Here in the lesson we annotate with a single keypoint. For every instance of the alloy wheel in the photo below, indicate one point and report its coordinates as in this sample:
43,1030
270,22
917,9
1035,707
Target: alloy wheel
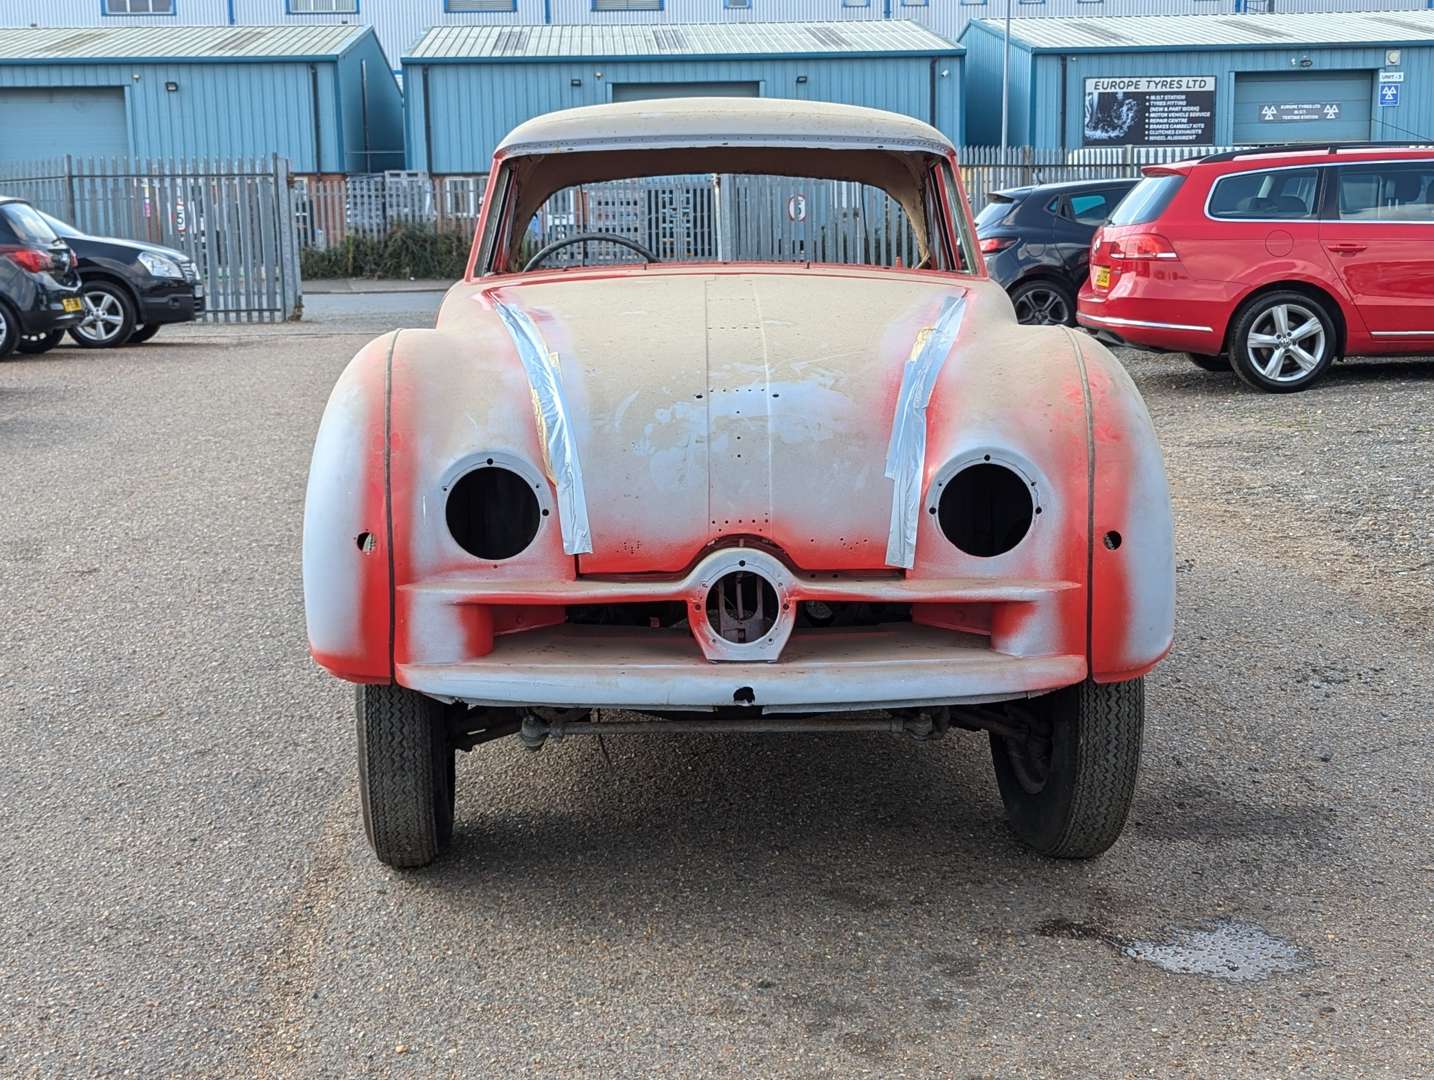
1286,343
1042,306
103,318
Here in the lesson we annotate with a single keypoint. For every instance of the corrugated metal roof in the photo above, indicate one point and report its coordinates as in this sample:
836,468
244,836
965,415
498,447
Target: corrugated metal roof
1124,32
71,44
610,42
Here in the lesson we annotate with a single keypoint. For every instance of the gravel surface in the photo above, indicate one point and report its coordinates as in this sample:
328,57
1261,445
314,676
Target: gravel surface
185,887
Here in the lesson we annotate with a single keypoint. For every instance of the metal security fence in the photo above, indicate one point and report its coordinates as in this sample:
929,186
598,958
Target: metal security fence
717,217
234,218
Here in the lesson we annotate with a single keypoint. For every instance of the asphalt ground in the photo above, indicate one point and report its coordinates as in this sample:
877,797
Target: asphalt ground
185,888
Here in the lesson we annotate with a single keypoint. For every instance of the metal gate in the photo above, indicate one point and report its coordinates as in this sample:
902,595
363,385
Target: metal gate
235,219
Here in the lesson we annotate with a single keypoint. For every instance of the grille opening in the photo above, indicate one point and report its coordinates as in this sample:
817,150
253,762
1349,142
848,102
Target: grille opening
986,509
742,607
823,614
659,615
493,513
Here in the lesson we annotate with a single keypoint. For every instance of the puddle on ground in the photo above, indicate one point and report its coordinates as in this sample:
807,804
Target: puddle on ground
1226,949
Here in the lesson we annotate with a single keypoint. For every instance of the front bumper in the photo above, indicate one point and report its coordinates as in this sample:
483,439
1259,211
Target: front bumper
171,302
885,667
485,641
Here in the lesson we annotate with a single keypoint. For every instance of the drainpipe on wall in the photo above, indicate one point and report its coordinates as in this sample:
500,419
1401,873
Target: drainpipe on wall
427,126
1064,99
231,12
1006,82
547,12
931,117
318,133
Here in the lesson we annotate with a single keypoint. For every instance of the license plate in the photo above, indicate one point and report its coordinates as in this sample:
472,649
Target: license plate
1101,277
72,303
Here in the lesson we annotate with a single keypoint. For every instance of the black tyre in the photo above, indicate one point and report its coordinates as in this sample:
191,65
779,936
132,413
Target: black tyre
1068,787
9,331
143,333
1043,303
406,774
1209,363
1283,342
109,316
40,343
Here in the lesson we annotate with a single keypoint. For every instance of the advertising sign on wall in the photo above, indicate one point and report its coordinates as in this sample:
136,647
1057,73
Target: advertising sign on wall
1165,110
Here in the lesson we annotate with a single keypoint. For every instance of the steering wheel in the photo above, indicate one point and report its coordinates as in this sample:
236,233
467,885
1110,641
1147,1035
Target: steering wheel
583,238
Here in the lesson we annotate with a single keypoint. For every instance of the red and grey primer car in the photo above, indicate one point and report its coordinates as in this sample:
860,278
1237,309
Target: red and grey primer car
702,496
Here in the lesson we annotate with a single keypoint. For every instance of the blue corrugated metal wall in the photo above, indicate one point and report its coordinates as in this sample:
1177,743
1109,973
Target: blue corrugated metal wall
1036,85
240,109
469,107
400,23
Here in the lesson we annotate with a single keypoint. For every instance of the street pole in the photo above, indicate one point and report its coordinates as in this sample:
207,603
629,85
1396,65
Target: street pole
1006,84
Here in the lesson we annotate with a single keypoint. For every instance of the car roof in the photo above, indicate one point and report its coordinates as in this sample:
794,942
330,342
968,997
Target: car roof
1066,185
1255,157
717,121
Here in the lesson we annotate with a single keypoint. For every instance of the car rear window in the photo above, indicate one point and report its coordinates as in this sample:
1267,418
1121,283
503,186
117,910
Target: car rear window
1147,200
995,211
1275,193
25,224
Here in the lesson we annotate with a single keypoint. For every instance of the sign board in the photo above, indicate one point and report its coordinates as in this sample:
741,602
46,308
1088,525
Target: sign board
797,208
1391,76
1299,112
1150,111
1388,94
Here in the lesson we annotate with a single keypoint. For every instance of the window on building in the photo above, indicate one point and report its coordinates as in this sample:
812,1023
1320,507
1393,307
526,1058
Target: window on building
138,7
744,4
973,3
1280,193
481,6
1387,192
627,5
323,7
915,3
856,3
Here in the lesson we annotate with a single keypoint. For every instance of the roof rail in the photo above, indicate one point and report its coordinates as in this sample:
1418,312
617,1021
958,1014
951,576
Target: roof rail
1306,148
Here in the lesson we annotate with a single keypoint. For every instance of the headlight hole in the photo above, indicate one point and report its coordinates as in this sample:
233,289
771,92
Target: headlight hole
493,513
986,509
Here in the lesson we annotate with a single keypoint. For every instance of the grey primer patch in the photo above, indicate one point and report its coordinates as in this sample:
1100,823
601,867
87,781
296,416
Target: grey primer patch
1227,949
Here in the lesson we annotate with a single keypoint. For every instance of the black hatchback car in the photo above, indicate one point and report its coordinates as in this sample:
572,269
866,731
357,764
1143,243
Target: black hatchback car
1037,243
131,288
39,283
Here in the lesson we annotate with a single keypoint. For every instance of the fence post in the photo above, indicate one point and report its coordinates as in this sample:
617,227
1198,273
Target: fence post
286,229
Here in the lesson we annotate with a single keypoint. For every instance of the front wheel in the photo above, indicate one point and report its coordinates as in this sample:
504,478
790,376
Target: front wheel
109,316
1043,303
143,333
1067,769
1282,342
406,774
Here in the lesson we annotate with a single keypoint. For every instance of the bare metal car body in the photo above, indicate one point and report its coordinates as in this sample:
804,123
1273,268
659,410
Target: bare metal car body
733,447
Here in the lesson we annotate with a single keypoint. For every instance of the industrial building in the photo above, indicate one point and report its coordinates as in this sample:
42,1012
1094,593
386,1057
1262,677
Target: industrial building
400,23
1203,80
321,96
466,87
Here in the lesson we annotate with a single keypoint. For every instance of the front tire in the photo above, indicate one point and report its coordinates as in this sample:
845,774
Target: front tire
143,333
1283,342
1068,786
1043,303
406,774
1209,363
109,316
34,344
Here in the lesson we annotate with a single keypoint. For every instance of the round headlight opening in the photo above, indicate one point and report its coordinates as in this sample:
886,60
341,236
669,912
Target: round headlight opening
493,513
986,509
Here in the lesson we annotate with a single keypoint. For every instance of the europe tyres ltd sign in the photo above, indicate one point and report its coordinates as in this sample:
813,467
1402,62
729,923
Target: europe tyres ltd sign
1144,110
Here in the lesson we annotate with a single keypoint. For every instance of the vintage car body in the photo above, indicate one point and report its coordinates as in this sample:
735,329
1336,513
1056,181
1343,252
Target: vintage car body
735,449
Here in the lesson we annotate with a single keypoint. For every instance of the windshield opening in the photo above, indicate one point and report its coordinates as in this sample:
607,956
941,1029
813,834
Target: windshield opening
858,208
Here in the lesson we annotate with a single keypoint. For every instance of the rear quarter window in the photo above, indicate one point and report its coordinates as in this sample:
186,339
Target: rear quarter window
1147,200
1274,193
994,212
24,225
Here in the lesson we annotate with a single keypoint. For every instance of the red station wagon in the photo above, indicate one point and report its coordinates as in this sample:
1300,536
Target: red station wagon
1273,262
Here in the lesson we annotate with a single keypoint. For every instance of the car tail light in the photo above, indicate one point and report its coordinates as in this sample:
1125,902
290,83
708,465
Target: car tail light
992,244
35,260
1141,246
